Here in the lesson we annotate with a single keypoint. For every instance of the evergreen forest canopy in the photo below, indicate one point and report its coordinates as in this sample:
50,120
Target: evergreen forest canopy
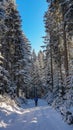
48,74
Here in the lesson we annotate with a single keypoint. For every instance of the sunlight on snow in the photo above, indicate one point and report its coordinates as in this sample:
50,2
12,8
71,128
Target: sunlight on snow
9,109
3,124
34,120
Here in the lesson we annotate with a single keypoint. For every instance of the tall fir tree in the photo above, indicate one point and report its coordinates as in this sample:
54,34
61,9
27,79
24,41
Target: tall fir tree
12,52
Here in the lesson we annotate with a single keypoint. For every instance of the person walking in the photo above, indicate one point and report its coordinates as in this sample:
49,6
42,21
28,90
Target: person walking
36,101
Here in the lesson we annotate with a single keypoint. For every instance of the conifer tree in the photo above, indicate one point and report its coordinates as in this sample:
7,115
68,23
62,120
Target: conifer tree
12,55
4,74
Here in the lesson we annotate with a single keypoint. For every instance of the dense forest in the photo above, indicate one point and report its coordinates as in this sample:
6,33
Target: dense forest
49,74
59,50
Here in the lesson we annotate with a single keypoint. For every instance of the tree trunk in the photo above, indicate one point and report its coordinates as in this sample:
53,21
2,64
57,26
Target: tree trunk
17,90
65,44
65,52
51,61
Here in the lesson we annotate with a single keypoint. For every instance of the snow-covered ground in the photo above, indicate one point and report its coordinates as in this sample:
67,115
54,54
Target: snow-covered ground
30,117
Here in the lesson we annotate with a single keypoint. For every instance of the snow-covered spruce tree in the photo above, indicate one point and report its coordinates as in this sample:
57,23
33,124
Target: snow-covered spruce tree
41,70
27,66
4,74
19,50
12,53
38,74
40,58
12,39
33,90
23,70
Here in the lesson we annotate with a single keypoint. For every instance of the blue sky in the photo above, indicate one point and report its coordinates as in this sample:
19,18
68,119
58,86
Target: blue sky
32,12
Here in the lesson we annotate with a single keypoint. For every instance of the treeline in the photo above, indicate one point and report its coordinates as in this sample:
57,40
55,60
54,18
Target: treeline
58,44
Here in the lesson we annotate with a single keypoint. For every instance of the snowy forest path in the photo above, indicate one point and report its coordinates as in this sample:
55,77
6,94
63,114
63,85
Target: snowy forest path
42,117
